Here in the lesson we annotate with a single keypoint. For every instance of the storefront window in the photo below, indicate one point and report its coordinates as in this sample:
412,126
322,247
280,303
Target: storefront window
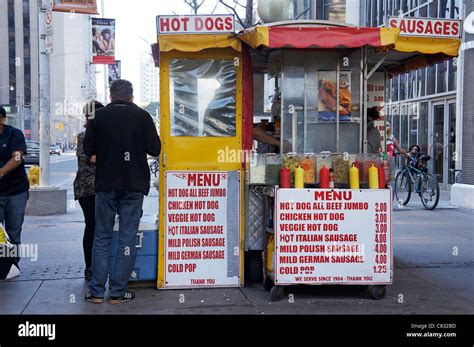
413,134
433,9
442,74
453,70
421,77
202,98
431,80
423,127
403,87
404,128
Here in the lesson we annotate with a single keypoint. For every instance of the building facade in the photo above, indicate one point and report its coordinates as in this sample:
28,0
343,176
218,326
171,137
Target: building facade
149,80
19,58
73,77
421,105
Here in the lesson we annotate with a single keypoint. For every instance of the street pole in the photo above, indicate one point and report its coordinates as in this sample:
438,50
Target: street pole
105,66
44,91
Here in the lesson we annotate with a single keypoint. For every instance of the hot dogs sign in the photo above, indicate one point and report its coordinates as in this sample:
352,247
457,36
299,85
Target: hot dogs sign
195,24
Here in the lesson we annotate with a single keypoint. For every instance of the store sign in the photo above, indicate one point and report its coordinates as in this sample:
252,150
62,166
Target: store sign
202,229
195,24
76,6
333,237
426,27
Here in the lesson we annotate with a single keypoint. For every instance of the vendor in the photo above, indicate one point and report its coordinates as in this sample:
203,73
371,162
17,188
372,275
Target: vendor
374,144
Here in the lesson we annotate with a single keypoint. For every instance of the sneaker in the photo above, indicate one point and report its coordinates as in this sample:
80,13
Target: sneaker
128,296
94,299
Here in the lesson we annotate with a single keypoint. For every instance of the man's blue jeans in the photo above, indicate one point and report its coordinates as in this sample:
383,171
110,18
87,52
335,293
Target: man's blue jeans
12,214
128,205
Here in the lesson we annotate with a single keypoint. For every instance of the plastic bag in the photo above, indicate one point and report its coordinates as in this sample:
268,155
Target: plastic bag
4,238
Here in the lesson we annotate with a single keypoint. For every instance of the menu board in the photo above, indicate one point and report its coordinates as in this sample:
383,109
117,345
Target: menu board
202,229
376,97
333,236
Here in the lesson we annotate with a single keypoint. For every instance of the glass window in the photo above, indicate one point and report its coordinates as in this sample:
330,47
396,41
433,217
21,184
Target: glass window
404,128
381,12
404,6
423,127
202,98
433,9
412,138
431,80
423,11
421,90
442,74
453,70
403,86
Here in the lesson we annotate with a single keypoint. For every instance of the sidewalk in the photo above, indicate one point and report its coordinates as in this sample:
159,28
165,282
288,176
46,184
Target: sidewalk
54,284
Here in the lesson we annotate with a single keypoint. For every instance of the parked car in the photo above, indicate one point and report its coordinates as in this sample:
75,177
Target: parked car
33,153
54,149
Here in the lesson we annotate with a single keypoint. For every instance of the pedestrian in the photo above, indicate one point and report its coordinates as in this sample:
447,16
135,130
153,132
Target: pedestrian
84,190
120,136
374,144
393,146
14,185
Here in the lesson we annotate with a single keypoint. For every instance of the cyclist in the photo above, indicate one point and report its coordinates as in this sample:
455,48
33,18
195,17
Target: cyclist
414,154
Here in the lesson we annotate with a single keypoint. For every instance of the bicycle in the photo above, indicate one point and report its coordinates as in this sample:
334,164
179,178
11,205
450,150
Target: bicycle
416,179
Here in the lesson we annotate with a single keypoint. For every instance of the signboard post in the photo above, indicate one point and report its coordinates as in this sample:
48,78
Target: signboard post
333,237
201,241
48,17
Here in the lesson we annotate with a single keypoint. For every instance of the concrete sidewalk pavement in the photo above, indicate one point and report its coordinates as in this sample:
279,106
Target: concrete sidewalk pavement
427,278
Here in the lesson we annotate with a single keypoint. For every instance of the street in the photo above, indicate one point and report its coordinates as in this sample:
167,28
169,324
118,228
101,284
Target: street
433,273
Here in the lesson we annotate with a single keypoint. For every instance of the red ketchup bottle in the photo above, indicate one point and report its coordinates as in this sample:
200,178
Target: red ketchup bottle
324,177
285,178
381,177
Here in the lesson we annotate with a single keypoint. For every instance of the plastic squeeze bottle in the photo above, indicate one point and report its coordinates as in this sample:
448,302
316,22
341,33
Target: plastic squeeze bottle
285,179
354,177
324,178
373,177
299,178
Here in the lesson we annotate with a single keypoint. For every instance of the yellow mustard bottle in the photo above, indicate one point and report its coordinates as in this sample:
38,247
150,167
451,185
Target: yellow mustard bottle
299,178
373,177
354,177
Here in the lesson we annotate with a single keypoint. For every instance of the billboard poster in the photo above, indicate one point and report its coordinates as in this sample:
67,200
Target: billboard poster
75,6
103,41
327,96
115,71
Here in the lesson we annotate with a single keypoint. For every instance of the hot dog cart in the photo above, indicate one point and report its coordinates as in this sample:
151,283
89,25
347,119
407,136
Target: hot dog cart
221,200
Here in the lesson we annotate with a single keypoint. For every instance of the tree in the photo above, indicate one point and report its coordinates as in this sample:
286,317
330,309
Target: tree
194,4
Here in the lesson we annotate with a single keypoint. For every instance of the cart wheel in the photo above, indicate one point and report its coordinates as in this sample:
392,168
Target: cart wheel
277,293
268,283
377,292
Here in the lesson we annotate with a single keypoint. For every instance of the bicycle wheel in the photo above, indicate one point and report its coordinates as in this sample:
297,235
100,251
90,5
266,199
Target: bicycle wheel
403,188
429,192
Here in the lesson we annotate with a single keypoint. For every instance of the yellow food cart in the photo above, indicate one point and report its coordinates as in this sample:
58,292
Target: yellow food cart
221,206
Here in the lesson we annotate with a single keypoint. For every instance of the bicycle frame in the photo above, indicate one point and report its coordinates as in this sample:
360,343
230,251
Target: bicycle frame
410,169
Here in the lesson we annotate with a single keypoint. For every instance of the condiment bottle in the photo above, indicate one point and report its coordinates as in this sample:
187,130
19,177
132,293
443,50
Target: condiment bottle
331,180
381,178
386,168
285,179
354,178
373,177
324,178
299,178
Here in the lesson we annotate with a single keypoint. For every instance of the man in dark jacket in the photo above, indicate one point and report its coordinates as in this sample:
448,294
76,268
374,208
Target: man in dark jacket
120,136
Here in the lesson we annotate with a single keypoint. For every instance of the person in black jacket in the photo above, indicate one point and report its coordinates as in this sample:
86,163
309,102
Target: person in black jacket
120,136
